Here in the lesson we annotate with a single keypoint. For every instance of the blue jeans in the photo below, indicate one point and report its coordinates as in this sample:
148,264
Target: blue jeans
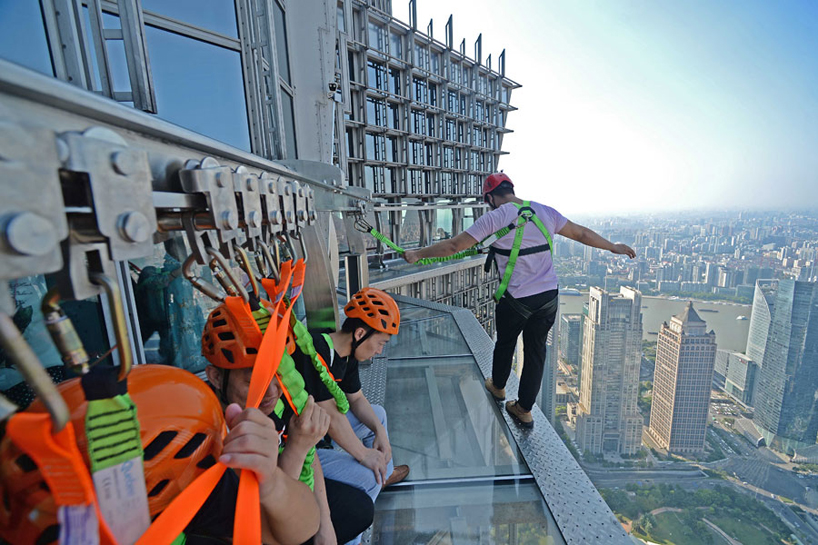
339,465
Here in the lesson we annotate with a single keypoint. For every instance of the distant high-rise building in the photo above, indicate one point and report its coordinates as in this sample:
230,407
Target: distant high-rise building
685,356
785,401
608,419
735,373
760,318
546,398
570,325
712,274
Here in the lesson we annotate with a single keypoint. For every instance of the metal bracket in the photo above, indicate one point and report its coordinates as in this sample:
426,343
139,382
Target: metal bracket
286,190
300,198
215,182
246,186
32,213
121,194
271,206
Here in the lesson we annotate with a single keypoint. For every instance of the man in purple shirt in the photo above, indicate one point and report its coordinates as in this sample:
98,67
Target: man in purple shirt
528,294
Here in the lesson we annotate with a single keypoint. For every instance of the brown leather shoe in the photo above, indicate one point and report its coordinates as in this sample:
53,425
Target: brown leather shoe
498,393
399,474
522,417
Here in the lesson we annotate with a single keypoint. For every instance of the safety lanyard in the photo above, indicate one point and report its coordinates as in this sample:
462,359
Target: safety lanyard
524,215
60,462
115,453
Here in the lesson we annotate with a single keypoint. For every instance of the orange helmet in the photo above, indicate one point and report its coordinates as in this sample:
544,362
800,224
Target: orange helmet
231,336
376,309
180,439
493,181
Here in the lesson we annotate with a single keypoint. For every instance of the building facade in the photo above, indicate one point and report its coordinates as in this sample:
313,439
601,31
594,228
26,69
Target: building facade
786,407
570,335
760,318
685,357
608,419
735,373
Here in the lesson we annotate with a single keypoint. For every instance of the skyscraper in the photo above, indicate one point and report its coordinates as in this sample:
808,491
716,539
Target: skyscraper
760,318
786,406
609,420
570,349
685,355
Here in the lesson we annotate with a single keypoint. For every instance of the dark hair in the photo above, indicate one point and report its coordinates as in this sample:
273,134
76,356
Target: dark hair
502,190
351,324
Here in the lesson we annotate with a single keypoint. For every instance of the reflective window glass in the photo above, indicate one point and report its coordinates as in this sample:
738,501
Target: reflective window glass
87,317
341,21
289,125
199,86
282,51
22,23
216,15
395,45
171,311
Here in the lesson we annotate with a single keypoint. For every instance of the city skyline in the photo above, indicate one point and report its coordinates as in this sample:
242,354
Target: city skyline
619,99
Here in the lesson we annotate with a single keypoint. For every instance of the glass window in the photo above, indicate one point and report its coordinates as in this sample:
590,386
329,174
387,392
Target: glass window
171,311
394,117
27,294
216,15
414,184
390,181
395,45
395,85
289,125
377,36
282,51
376,112
432,123
392,150
435,62
184,71
443,224
341,21
377,75
22,23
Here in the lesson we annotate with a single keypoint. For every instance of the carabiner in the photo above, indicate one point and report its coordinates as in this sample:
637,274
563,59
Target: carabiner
222,263
272,269
244,263
361,224
26,361
285,238
123,342
63,333
303,245
198,282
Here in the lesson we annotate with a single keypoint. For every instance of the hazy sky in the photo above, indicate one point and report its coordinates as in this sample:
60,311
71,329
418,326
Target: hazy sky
645,105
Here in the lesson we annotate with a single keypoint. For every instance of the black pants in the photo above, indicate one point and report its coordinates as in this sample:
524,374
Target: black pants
510,323
351,510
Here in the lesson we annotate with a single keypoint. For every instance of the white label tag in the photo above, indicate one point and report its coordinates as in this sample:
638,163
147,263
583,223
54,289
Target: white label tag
123,500
78,524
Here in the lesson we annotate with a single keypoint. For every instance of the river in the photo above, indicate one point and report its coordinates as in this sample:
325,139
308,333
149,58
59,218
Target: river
731,334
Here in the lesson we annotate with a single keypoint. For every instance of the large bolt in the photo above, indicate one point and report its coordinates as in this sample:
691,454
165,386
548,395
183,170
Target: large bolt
275,217
302,215
228,220
29,234
250,185
271,188
134,227
219,179
124,163
288,190
300,191
253,218
289,216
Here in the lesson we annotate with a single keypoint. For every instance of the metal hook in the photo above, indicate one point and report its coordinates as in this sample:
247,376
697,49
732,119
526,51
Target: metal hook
361,224
222,262
198,282
272,263
288,243
123,342
244,262
35,375
303,245
221,277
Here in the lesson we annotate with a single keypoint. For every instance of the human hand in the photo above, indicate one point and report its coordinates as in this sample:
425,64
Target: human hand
381,443
373,459
251,444
307,428
623,249
411,256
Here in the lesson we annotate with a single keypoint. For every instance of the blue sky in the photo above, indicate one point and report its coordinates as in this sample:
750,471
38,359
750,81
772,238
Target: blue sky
633,106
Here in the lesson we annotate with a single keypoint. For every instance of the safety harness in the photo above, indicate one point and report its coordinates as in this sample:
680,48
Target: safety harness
525,214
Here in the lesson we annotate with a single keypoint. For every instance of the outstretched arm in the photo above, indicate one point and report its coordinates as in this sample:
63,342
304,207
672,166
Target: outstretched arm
591,238
444,248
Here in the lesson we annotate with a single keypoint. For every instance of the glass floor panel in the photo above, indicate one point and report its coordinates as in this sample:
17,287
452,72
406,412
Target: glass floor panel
427,332
443,423
464,513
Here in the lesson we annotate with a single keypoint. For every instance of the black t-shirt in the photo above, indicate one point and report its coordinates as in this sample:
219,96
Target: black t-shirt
213,523
344,370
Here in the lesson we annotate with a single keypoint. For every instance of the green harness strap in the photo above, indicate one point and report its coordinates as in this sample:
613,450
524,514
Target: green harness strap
524,215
